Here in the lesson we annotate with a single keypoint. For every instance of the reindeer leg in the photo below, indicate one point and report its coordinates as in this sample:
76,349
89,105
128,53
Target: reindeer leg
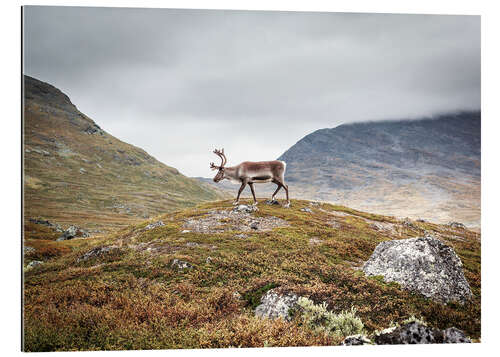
243,184
281,183
253,193
287,199
275,192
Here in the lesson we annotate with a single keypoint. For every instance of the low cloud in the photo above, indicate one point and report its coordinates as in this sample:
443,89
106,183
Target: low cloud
180,82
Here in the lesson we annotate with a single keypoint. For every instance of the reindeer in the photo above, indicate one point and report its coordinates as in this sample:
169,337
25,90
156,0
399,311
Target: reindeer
249,172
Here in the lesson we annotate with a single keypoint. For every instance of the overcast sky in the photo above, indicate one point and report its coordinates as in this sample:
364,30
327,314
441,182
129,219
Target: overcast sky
179,83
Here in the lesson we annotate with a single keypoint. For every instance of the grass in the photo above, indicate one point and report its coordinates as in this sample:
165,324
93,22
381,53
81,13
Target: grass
135,299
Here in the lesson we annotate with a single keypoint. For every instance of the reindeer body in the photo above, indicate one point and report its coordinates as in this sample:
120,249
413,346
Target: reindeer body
256,172
250,172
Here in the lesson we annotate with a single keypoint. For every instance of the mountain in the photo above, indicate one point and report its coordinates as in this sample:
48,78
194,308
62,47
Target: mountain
77,173
193,278
428,168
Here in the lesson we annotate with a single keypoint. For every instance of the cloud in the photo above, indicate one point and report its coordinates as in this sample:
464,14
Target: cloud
180,82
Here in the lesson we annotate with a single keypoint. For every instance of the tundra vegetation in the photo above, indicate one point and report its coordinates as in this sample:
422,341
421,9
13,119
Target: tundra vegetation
138,293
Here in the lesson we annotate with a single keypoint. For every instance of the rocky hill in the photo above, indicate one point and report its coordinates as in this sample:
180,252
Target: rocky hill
77,173
428,168
221,276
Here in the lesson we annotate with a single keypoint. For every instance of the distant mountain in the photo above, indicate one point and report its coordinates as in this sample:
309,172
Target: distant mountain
75,172
428,168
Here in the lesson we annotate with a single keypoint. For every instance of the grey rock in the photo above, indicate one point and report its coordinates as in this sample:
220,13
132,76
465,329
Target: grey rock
82,170
456,225
356,340
241,236
245,208
272,202
56,227
72,232
94,129
35,263
454,335
209,260
274,305
306,209
27,249
180,264
254,225
192,244
97,253
416,333
424,265
154,225
40,151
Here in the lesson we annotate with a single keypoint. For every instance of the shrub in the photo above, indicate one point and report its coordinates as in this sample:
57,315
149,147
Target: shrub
413,318
318,318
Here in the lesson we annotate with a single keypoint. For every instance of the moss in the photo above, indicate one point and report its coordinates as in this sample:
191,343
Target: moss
253,297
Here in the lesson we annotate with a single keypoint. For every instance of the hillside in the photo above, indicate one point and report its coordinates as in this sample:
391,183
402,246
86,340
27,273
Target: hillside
428,168
192,279
77,173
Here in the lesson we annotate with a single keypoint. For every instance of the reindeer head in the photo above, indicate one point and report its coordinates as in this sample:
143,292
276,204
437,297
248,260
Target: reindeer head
220,173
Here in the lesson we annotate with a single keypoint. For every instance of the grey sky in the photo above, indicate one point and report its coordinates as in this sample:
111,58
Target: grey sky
179,83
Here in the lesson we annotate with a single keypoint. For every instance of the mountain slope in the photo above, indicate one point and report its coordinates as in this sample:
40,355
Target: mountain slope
429,168
131,290
75,172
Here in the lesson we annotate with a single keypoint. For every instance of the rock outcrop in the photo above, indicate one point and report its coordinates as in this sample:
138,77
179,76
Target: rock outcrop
56,227
456,225
97,253
34,263
274,305
424,265
245,208
180,264
356,340
154,225
417,333
72,232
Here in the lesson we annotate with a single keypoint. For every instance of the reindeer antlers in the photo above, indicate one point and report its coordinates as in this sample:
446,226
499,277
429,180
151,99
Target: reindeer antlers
219,153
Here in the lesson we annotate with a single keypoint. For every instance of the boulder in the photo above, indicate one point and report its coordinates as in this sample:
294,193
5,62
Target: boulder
272,202
274,305
97,253
94,129
27,249
417,333
454,335
456,225
306,209
56,227
72,232
180,264
35,263
245,208
424,265
356,340
154,225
